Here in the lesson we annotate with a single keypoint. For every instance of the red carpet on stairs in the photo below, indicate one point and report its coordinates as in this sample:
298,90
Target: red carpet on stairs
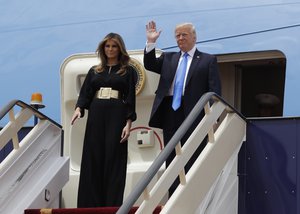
100,210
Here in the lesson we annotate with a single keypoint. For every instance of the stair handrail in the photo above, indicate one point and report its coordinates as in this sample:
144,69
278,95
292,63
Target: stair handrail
22,104
11,129
161,158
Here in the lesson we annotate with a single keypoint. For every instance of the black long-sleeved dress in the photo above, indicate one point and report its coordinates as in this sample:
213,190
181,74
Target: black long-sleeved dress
104,158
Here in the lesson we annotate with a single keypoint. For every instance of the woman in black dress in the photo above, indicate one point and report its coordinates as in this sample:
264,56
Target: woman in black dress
108,93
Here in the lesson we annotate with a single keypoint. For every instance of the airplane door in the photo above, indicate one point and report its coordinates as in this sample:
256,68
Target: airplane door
253,82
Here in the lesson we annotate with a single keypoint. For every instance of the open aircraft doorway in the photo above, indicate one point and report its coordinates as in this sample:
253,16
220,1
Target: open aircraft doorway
254,82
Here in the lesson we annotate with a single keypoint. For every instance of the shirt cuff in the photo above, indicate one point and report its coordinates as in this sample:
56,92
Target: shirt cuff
149,47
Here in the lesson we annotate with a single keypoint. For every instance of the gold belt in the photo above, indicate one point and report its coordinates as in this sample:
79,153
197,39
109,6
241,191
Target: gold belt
107,93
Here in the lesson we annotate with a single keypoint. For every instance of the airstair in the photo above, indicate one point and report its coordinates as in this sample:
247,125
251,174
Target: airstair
249,165
34,172
211,185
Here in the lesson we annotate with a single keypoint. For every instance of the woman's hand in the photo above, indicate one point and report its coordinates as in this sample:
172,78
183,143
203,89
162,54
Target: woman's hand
126,131
151,32
76,115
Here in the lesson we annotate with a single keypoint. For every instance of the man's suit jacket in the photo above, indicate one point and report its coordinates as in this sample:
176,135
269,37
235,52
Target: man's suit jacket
203,76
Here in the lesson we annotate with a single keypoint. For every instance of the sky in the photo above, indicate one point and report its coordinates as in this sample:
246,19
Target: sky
36,36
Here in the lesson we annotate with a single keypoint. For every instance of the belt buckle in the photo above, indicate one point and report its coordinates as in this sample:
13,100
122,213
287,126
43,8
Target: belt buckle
105,93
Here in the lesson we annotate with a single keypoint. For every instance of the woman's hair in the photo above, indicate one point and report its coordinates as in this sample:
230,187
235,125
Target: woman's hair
123,56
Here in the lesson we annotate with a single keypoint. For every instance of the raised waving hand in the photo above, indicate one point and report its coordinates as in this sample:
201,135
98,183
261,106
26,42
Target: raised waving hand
151,32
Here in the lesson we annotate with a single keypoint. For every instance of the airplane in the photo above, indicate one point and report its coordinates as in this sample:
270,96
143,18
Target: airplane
257,47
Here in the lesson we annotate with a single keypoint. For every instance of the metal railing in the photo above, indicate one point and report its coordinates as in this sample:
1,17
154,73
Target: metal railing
17,120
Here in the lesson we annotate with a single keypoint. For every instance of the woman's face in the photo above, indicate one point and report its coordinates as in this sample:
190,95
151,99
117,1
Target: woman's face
111,50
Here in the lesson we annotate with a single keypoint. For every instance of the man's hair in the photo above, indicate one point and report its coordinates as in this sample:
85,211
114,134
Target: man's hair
189,25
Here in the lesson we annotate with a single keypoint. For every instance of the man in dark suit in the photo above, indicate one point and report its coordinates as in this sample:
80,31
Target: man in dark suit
201,76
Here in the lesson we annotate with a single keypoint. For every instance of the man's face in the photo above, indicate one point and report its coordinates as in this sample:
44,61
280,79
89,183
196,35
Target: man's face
185,38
